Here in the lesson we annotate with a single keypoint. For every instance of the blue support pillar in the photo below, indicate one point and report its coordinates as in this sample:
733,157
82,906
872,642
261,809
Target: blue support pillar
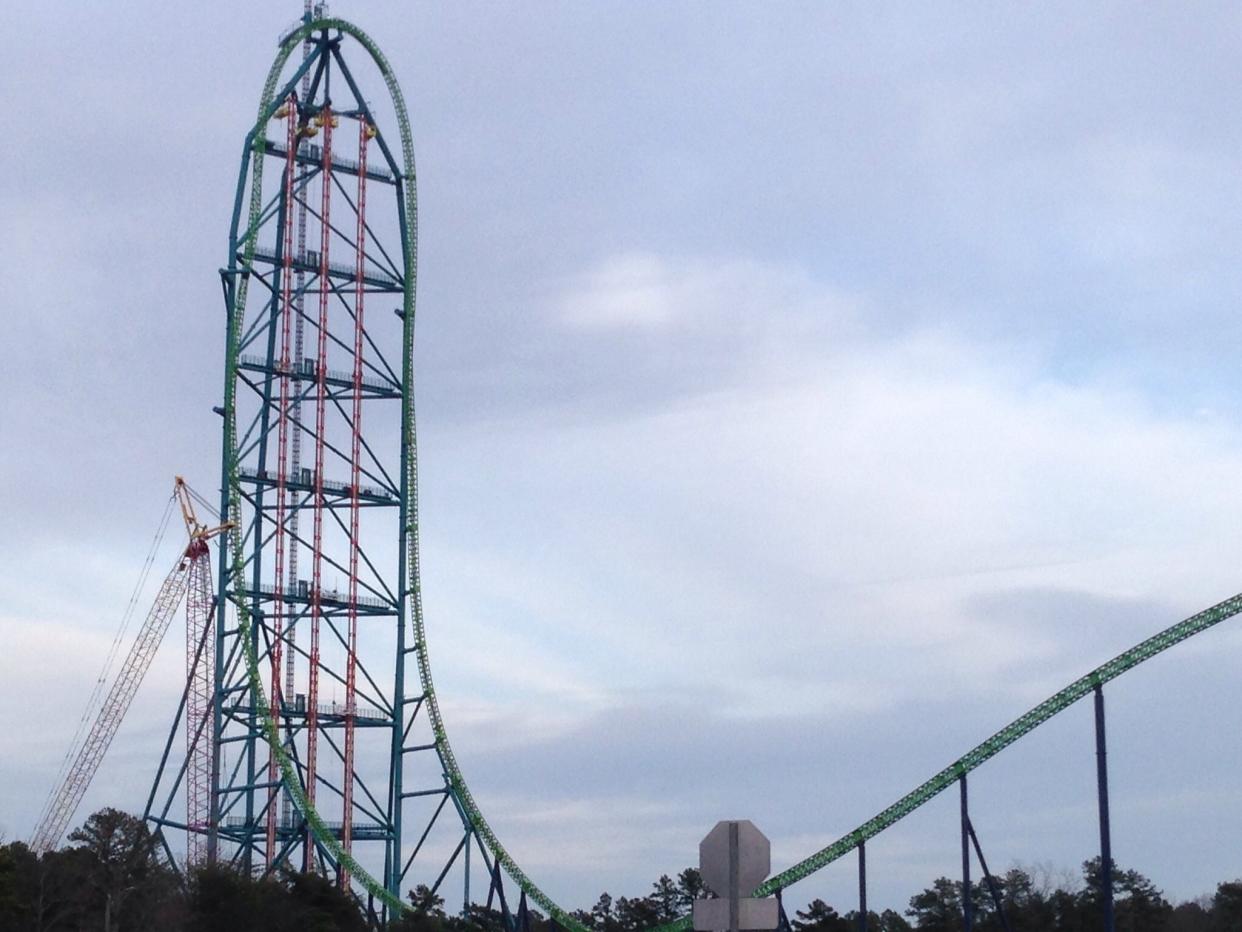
782,920
1106,843
987,876
862,886
522,920
967,910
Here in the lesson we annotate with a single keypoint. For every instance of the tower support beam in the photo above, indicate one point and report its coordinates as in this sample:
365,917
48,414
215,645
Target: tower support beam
1106,840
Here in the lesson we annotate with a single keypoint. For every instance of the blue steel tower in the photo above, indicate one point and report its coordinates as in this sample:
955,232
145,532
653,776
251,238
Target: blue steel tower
309,734
316,743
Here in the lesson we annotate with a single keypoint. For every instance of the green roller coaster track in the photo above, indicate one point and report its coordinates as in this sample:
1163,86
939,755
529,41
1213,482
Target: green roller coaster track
1021,726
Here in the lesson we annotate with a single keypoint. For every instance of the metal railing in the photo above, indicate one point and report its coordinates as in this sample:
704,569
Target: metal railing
302,593
307,370
305,479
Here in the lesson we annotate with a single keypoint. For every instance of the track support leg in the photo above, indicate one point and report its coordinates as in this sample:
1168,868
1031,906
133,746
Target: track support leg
782,920
967,906
465,896
522,921
987,877
862,886
1106,843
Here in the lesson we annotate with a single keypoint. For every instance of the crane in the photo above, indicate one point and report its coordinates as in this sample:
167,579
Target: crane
191,573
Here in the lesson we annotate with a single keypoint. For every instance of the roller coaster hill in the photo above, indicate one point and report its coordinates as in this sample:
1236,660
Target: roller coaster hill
319,480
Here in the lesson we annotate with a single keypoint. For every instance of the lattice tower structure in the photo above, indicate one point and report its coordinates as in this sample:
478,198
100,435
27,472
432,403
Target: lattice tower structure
337,762
200,686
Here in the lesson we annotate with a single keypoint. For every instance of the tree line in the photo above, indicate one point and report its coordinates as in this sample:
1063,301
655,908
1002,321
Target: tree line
110,878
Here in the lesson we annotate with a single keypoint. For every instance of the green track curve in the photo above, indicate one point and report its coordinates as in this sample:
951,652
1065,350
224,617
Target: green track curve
1021,726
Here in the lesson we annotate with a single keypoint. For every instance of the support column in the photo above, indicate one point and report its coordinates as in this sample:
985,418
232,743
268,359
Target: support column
862,886
1106,843
987,876
967,910
465,896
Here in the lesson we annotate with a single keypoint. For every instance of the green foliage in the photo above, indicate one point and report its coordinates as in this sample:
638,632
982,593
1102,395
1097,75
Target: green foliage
820,917
1226,911
889,921
690,887
124,885
1138,905
426,914
939,907
221,899
668,899
1190,917
108,879
48,893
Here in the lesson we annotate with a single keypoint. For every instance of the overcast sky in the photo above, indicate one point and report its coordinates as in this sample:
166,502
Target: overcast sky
804,392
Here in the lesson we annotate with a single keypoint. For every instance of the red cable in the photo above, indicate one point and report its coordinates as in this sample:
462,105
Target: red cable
321,370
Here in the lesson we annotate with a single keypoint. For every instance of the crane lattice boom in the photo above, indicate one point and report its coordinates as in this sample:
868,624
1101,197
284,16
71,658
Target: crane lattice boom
113,710
192,571
200,659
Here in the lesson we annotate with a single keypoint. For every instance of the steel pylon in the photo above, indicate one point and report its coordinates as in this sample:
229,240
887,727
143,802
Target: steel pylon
329,751
320,758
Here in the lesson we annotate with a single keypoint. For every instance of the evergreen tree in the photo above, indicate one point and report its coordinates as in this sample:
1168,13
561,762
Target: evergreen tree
690,887
477,919
322,906
1191,917
1227,907
938,908
637,913
891,921
1027,908
820,917
666,897
44,893
124,879
1138,905
425,915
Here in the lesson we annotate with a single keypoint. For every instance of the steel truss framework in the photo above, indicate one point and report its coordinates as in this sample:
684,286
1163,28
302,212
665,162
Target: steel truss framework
367,788
294,780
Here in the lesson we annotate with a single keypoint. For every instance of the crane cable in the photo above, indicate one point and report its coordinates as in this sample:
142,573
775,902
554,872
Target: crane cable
202,502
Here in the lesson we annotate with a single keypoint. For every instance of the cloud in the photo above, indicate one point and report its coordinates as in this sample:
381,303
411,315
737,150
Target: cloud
867,558
826,395
879,496
736,300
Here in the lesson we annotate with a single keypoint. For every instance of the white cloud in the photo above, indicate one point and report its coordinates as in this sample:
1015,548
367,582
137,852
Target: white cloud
858,536
844,500
738,300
